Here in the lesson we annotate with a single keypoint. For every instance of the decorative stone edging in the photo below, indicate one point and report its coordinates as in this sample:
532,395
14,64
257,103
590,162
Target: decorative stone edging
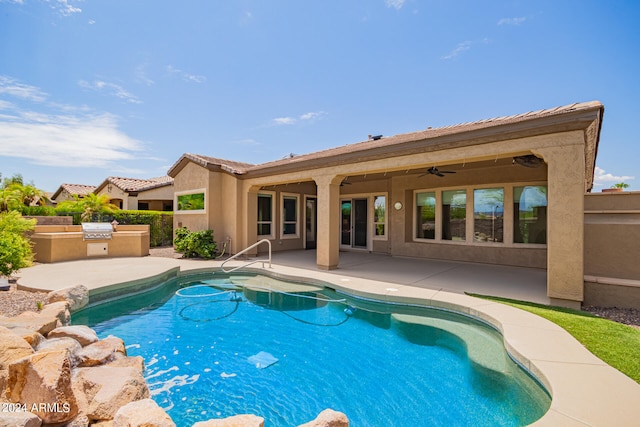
54,373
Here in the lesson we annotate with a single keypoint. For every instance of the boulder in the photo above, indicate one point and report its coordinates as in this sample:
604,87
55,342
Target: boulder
142,413
101,352
12,348
81,333
328,418
136,362
71,346
32,337
245,420
46,320
19,419
76,296
42,382
102,390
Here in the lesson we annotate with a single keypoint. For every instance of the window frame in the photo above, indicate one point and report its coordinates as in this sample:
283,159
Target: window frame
272,196
177,194
375,223
284,222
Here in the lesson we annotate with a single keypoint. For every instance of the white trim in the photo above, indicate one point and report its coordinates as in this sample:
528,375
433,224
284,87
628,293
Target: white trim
297,234
273,215
304,218
190,212
385,236
508,215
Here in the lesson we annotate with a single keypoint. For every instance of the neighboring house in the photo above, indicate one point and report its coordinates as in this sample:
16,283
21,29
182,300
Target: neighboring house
139,194
67,191
508,190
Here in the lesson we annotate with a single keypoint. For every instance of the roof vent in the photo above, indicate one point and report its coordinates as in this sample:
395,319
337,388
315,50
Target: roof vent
375,137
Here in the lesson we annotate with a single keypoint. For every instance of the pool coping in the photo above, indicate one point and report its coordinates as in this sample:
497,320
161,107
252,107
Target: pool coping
585,390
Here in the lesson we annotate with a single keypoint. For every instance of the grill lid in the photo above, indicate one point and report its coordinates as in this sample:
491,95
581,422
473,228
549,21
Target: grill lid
96,230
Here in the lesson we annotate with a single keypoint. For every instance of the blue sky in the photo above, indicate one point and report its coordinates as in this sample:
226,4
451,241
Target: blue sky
90,89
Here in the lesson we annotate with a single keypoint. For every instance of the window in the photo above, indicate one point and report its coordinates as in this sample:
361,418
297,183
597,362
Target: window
426,215
488,213
265,215
289,216
143,206
530,214
380,215
190,201
454,215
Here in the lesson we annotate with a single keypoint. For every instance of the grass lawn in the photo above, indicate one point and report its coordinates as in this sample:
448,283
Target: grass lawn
615,343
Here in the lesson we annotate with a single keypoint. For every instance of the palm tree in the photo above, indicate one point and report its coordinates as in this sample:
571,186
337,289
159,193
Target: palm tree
88,205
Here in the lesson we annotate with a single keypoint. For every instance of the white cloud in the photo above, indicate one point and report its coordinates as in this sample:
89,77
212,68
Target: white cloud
512,21
112,89
10,86
463,47
603,179
187,77
396,4
284,121
312,115
52,134
64,7
67,141
248,142
142,76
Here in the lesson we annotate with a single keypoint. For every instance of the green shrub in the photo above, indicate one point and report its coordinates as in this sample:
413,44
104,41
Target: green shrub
195,244
15,248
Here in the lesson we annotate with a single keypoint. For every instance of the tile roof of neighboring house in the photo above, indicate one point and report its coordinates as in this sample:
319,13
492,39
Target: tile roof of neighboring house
136,184
357,151
77,189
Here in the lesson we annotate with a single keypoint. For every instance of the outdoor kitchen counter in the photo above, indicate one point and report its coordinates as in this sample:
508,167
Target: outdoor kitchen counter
55,243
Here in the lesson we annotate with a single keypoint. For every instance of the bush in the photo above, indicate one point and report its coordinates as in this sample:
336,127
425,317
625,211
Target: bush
195,244
15,248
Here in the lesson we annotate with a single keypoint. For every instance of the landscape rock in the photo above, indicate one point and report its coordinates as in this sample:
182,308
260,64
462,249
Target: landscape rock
42,382
19,419
102,390
142,413
245,420
50,317
76,296
101,352
136,362
12,347
328,418
81,333
34,338
71,346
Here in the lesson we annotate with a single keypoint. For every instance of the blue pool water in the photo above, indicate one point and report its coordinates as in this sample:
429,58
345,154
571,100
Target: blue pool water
225,346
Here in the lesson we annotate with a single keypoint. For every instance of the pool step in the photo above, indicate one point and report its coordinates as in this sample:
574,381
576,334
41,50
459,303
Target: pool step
483,348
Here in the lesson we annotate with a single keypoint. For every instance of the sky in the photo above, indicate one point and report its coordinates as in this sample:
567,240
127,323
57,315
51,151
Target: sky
91,89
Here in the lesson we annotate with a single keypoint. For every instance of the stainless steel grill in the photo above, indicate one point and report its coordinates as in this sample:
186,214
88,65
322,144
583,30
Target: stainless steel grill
96,230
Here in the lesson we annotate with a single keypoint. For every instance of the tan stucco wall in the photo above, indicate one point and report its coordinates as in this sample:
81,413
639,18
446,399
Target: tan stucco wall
192,177
612,249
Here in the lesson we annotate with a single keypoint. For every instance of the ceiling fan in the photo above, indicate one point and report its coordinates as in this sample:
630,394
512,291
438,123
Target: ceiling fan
435,171
529,161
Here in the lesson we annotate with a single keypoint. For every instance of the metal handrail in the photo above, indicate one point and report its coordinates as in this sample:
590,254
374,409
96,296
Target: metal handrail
250,262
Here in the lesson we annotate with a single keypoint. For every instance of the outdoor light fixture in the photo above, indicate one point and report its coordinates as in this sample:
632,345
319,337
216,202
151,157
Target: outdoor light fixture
397,205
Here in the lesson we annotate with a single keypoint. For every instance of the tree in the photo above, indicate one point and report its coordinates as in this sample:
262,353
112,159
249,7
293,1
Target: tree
15,248
88,205
620,185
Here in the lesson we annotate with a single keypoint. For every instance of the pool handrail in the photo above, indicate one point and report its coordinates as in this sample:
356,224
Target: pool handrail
250,262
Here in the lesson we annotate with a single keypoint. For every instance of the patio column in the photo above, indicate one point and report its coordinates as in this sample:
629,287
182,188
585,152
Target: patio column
565,223
328,245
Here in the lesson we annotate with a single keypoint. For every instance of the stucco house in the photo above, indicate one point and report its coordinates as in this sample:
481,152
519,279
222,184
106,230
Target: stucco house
139,194
508,190
67,191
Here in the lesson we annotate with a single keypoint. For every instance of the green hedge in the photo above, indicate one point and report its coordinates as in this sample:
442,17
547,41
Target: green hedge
160,223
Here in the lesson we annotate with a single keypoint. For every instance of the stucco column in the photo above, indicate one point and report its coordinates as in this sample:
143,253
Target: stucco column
565,223
251,215
328,245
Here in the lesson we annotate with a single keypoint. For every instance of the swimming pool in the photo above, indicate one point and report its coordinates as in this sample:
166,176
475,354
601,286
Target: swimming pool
217,346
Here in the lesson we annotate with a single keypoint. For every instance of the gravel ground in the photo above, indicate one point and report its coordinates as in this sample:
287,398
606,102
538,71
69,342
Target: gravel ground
14,302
